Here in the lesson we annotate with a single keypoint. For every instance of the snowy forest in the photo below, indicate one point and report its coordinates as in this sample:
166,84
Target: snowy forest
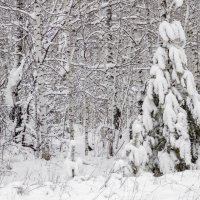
99,100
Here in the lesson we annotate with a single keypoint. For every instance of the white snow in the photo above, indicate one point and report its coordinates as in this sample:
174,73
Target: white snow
161,87
196,108
148,108
13,79
172,31
175,76
188,82
166,31
154,69
138,128
137,155
183,142
98,178
178,58
166,162
178,30
115,186
178,3
122,166
70,165
169,117
160,57
150,89
171,110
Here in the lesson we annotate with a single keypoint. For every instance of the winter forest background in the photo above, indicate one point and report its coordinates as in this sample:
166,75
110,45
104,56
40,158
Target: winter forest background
96,92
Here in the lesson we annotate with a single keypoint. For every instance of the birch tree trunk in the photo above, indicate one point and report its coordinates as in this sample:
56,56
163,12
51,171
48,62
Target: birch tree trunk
110,78
86,124
40,105
70,55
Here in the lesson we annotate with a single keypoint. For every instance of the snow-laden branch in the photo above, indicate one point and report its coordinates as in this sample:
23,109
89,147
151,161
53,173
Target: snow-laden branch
13,80
32,16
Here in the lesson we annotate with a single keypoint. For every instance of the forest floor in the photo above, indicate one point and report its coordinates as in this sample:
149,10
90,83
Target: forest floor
42,180
25,178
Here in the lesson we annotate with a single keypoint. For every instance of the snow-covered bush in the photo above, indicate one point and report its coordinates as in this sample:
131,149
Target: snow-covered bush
137,157
134,152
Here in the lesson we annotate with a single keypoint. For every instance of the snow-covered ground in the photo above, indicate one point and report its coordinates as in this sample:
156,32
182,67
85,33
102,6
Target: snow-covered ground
42,180
22,177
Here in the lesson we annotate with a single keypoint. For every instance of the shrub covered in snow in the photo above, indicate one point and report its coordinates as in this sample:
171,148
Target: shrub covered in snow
134,152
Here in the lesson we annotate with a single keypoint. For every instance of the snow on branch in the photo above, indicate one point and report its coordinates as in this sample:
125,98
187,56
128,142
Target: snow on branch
32,16
14,78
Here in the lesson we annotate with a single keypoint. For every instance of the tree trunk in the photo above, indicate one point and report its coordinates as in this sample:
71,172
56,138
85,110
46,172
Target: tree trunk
16,110
86,125
41,126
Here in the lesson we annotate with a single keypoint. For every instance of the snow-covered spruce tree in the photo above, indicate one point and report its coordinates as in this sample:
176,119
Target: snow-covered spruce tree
171,108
